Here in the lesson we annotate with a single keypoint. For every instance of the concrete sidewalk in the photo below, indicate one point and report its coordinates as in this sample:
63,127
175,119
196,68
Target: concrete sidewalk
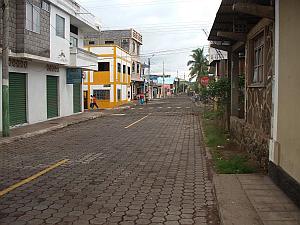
253,199
31,130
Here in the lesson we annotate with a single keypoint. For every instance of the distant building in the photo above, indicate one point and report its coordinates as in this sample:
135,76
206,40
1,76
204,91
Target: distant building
111,82
158,83
218,62
129,40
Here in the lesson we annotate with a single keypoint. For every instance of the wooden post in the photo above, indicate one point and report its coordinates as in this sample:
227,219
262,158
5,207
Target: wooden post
228,105
234,84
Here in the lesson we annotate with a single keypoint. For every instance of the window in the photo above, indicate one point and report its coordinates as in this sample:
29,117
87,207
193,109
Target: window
91,42
46,6
103,66
138,68
102,94
258,60
119,67
128,70
124,69
73,42
133,67
119,94
109,42
33,17
73,29
60,26
133,47
125,44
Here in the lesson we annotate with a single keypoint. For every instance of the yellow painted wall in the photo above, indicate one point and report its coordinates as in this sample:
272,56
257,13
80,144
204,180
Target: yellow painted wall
289,88
102,78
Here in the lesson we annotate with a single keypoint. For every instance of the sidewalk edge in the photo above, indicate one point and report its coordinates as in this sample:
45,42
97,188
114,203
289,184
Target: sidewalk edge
46,130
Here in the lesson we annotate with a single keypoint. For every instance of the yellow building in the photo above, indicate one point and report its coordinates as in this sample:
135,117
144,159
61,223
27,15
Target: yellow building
111,83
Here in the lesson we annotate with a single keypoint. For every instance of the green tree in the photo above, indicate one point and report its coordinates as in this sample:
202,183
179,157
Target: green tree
199,64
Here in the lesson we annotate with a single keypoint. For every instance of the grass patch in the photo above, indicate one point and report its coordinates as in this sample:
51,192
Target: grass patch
214,135
233,165
227,159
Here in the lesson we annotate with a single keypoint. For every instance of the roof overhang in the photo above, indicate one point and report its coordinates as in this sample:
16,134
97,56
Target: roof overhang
235,18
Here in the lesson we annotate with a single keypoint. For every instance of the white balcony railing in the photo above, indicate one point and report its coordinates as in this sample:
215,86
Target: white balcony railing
80,58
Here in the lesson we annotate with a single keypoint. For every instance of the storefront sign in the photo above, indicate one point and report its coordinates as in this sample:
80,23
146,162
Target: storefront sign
53,68
74,76
17,63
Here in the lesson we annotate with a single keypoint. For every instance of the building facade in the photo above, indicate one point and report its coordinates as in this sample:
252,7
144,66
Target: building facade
218,62
129,40
111,82
46,59
264,33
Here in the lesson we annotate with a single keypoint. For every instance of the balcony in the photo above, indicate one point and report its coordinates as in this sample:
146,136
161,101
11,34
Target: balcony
137,36
80,58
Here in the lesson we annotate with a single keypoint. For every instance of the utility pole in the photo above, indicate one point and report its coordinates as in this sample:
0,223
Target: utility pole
184,83
149,84
5,74
176,86
164,79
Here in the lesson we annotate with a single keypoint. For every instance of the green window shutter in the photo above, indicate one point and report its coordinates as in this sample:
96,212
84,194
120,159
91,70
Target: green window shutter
76,98
17,98
52,96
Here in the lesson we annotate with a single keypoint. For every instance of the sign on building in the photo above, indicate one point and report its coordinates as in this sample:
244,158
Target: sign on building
74,76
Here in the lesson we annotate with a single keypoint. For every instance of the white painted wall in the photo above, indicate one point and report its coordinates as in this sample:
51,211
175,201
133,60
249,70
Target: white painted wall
58,45
37,92
102,50
124,92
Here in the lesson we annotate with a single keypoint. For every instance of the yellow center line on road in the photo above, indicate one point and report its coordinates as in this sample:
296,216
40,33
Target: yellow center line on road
137,121
33,177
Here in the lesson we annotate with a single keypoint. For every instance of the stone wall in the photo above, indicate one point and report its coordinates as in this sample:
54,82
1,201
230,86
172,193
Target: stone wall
12,25
251,140
25,41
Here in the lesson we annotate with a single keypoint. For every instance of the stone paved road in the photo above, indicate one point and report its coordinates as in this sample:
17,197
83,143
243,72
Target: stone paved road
154,172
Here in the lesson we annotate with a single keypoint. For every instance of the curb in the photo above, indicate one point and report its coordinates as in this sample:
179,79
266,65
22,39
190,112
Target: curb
46,130
210,158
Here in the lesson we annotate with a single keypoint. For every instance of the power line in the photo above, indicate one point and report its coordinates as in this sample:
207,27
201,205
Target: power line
149,3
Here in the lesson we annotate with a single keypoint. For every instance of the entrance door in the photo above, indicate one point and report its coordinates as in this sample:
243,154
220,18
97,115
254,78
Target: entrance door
85,99
17,98
76,98
52,96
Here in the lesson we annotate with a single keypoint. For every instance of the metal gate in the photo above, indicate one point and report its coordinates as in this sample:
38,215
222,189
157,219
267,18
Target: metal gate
17,98
76,98
52,96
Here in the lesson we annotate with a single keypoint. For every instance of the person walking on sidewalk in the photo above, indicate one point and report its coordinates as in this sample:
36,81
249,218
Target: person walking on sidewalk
95,102
91,102
142,98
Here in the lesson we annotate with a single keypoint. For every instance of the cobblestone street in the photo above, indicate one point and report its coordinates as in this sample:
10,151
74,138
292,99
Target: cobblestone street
144,165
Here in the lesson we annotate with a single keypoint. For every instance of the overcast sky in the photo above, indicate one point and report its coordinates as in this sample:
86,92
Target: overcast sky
170,28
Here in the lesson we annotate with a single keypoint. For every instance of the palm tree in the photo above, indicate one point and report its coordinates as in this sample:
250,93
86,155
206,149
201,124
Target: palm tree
198,65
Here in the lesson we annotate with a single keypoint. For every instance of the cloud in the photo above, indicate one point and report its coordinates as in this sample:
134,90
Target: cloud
164,24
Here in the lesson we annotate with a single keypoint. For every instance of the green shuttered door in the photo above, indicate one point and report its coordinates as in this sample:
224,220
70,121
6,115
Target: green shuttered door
17,98
77,98
52,96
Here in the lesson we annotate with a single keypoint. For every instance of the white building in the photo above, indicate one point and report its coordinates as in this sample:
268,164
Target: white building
47,59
